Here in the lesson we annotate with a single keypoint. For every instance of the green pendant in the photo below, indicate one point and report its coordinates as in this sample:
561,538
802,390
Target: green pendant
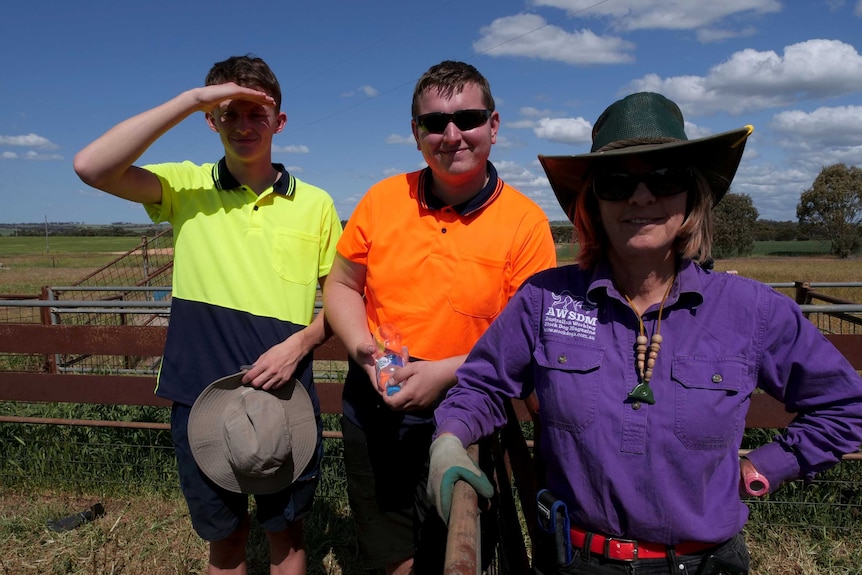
642,392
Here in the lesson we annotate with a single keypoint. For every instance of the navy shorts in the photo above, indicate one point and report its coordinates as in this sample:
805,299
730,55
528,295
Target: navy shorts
215,512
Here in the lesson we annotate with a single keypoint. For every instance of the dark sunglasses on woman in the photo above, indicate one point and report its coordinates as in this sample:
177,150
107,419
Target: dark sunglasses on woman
617,187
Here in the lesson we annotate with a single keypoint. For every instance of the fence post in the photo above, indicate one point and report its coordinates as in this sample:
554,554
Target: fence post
802,290
50,363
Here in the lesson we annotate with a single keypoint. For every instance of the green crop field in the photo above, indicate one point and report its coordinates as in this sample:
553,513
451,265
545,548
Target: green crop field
40,246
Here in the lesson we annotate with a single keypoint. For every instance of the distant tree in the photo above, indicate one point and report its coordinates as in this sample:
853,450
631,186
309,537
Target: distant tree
832,208
733,226
563,233
773,231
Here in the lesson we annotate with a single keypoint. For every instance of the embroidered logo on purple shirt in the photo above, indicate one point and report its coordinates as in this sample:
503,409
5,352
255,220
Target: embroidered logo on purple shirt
568,316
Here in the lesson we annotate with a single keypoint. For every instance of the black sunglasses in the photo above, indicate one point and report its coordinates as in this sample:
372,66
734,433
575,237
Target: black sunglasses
464,120
616,187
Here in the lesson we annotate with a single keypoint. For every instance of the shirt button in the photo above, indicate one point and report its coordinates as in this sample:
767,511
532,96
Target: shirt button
443,230
716,378
562,359
636,405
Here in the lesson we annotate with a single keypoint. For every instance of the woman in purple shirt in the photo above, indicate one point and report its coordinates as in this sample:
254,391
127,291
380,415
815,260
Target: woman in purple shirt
644,364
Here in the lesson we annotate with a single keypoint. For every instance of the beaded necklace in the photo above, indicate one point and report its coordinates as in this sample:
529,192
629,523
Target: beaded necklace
646,356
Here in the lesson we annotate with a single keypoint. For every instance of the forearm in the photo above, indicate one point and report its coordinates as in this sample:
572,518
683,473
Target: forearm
105,163
345,311
313,335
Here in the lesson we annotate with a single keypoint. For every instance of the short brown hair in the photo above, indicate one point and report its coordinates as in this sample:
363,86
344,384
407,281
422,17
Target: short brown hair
694,240
449,77
249,72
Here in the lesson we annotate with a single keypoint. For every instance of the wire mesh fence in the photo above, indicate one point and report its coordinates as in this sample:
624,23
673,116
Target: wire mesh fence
130,291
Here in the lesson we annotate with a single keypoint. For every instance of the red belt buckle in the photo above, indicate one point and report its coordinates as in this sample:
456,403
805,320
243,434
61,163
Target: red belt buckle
621,549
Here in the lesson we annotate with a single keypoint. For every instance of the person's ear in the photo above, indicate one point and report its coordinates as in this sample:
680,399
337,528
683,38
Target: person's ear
211,122
495,125
280,122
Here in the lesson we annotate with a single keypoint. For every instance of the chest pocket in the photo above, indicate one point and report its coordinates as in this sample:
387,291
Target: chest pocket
479,287
295,256
709,400
567,384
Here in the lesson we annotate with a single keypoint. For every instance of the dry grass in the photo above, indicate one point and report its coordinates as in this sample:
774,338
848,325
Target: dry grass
26,274
152,535
792,552
802,268
142,535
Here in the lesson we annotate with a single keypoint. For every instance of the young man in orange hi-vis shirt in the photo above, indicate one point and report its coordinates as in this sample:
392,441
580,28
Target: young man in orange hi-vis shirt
437,254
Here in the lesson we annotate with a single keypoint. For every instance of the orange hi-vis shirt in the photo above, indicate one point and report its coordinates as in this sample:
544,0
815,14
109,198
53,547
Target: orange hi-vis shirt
442,276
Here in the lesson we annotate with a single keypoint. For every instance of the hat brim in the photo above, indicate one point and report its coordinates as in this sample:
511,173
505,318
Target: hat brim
209,447
716,157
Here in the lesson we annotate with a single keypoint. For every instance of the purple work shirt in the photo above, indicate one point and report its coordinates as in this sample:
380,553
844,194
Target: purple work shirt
667,472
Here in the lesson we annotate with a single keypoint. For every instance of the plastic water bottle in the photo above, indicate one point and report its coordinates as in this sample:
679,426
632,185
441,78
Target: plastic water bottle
391,353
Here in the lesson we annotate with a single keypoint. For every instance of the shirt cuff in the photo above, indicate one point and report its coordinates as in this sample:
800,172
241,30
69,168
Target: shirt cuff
775,463
457,428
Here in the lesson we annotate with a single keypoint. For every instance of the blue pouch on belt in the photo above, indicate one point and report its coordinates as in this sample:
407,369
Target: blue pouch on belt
553,517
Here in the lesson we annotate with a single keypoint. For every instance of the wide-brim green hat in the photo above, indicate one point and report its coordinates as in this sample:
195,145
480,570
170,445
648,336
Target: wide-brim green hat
649,125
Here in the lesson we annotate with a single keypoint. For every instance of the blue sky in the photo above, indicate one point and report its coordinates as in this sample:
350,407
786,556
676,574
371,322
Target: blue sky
72,70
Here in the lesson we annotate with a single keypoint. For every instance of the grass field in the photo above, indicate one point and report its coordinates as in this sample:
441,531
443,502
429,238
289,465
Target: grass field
27,263
146,528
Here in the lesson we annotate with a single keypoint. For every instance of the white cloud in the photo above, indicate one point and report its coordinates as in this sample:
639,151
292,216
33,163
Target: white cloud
693,131
291,149
661,14
775,190
532,182
365,90
564,130
521,124
530,112
810,141
709,35
753,80
530,36
504,142
839,126
400,140
30,155
29,141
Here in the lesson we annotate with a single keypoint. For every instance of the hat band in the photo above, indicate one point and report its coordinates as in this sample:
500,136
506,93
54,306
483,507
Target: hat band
630,142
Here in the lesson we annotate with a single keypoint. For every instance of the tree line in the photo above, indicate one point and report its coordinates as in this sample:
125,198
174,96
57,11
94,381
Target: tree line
831,209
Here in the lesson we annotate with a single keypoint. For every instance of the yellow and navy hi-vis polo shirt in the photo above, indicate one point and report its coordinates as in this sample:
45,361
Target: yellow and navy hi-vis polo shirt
245,269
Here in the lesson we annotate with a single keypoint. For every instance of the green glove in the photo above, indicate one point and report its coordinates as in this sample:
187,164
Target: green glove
450,463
